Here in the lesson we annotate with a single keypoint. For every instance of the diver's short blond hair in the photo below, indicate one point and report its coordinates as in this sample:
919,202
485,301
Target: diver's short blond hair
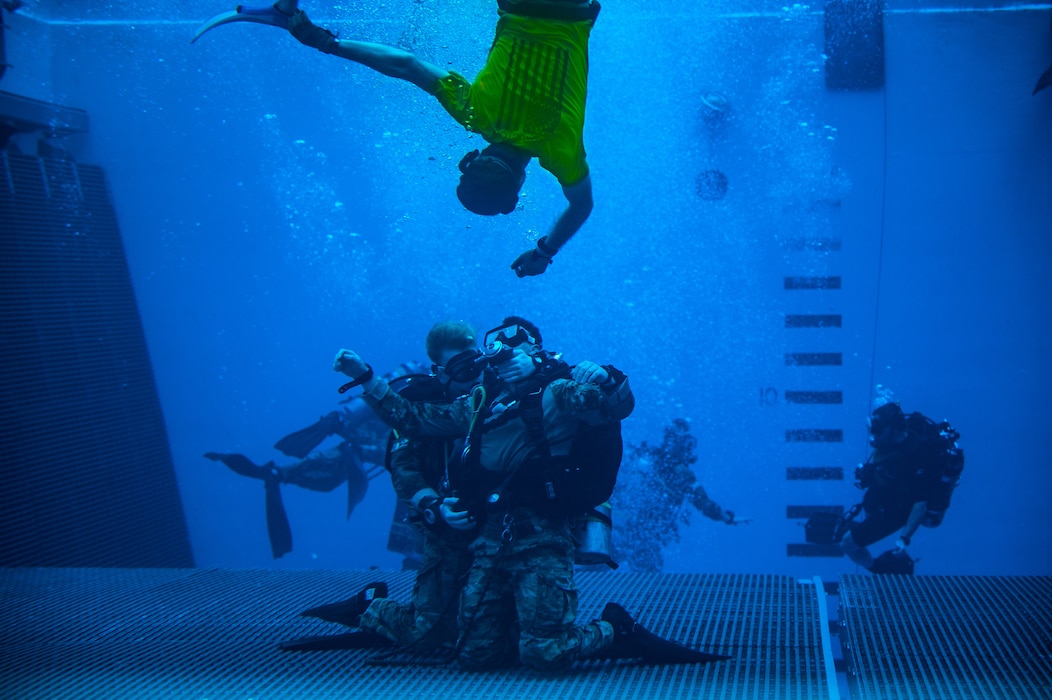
449,335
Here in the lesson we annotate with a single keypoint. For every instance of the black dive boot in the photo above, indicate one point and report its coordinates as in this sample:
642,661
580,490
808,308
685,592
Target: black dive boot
349,612
633,641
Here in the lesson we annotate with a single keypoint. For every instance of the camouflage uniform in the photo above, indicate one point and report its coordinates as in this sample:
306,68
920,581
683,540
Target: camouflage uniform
523,570
429,621
534,567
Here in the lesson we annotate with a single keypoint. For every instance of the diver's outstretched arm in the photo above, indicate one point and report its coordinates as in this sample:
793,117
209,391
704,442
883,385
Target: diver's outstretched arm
579,201
388,60
536,260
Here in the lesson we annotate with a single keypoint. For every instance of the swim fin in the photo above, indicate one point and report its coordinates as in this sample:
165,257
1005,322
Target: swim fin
278,530
347,640
349,612
633,641
300,443
893,562
1044,81
241,465
260,15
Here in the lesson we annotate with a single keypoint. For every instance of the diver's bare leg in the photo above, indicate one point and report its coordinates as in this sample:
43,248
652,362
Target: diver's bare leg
855,552
391,61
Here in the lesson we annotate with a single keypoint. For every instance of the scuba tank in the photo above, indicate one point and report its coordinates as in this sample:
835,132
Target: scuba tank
592,537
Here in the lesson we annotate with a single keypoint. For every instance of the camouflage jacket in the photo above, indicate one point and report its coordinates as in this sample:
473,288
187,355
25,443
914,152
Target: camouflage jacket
506,445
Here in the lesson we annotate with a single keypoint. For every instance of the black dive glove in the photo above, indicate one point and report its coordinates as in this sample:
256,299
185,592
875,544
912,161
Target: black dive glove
310,34
614,378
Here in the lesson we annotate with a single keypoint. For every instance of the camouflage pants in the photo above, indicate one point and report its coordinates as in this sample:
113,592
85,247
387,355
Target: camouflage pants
523,570
429,622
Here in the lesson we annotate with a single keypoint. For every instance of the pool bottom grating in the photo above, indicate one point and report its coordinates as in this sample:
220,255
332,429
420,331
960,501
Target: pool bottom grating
213,633
943,637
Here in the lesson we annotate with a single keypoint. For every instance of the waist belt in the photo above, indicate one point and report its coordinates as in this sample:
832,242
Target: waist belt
559,10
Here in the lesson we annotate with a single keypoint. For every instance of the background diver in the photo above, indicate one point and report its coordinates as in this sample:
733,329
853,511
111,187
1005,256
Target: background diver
522,112
655,483
908,479
357,458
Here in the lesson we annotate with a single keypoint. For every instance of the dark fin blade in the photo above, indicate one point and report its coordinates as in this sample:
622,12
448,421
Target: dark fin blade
347,640
240,464
357,485
652,649
346,612
300,443
1044,81
893,562
278,529
658,650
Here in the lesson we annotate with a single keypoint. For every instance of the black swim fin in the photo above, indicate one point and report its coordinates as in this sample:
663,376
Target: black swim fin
1044,81
347,640
633,641
278,530
241,465
259,15
893,562
300,443
349,612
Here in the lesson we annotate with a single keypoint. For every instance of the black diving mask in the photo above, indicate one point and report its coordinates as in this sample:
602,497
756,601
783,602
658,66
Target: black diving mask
463,367
885,423
467,160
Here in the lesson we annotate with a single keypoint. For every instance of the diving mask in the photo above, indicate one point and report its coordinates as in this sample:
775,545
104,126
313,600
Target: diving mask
509,336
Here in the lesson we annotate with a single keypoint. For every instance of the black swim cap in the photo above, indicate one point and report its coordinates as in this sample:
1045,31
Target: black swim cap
490,181
887,420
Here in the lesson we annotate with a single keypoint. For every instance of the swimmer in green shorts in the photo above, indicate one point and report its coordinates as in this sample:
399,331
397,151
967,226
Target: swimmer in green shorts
528,101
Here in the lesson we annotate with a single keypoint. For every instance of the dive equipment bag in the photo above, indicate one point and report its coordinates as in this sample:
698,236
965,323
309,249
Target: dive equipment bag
823,528
828,526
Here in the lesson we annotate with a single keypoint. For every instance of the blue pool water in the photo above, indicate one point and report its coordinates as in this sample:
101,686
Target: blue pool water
277,204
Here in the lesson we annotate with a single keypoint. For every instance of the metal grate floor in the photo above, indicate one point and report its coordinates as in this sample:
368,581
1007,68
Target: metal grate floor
943,637
207,633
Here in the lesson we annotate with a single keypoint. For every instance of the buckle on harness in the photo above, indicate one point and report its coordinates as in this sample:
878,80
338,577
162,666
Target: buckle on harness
509,523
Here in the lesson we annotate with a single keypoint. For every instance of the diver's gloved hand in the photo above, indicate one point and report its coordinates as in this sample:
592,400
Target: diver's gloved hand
737,520
531,263
516,368
588,372
347,362
310,34
454,515
900,545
